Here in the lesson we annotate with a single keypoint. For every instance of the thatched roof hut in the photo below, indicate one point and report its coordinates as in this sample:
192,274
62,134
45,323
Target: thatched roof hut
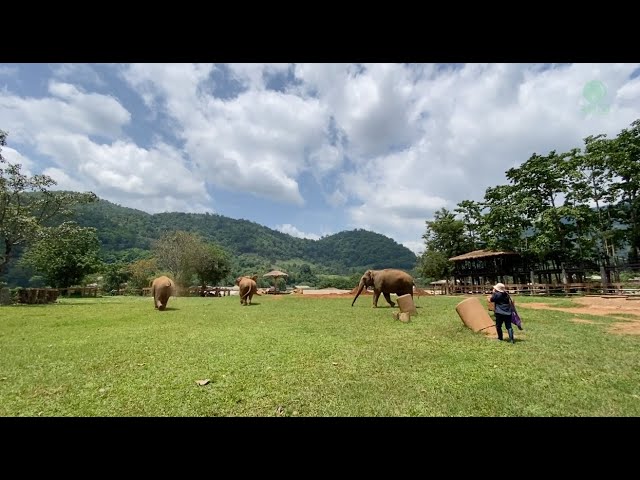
481,254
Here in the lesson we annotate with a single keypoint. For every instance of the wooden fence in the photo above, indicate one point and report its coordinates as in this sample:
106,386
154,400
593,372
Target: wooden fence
547,289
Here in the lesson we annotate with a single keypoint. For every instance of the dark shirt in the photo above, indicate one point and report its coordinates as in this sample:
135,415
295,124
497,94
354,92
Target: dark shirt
501,301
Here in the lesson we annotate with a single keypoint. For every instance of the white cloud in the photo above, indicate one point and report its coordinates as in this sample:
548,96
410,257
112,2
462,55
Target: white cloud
252,75
77,72
388,143
629,93
68,110
336,199
326,158
155,179
477,122
258,142
372,104
293,231
416,247
15,157
63,180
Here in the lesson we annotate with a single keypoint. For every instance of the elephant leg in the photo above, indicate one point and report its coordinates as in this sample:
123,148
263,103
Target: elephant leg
376,295
387,297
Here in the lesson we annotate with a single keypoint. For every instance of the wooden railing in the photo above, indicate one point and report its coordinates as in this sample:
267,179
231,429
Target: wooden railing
548,289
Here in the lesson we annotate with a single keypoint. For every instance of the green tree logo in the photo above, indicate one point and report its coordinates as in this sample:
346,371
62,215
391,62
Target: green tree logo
594,92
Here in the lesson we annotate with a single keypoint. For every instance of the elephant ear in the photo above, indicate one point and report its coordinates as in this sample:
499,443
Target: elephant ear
254,278
238,280
369,275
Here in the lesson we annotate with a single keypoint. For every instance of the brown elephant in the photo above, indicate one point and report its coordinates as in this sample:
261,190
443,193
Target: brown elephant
248,288
387,281
161,289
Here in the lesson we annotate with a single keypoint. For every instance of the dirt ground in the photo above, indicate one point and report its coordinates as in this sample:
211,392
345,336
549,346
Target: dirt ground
626,311
597,306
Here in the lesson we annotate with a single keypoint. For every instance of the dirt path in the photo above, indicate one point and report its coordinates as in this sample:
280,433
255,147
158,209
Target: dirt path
603,307
595,306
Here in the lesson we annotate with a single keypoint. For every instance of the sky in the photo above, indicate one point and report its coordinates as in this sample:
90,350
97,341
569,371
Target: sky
307,149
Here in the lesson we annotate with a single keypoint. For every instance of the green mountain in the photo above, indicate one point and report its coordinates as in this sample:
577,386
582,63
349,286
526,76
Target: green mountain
127,234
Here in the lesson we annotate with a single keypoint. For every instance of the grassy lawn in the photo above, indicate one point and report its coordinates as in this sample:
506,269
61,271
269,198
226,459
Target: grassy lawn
294,356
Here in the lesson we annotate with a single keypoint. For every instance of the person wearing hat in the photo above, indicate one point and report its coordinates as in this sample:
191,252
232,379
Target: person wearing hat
502,310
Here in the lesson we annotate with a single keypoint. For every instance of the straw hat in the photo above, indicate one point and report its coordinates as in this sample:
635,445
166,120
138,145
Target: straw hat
500,287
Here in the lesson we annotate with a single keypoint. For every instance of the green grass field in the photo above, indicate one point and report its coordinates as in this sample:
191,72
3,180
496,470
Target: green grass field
296,356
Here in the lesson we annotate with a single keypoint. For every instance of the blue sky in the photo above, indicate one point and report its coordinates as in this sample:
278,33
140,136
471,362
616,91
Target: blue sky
308,149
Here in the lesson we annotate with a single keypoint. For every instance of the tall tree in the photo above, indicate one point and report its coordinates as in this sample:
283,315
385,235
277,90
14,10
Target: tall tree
591,186
65,254
444,238
174,253
27,203
471,213
446,234
505,225
211,264
186,255
434,265
625,167
541,185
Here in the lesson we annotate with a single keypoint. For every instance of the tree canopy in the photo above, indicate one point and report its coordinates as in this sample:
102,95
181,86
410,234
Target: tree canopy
65,254
579,206
27,203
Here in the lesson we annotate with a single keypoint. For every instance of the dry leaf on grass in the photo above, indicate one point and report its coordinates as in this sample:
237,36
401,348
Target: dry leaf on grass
202,382
280,410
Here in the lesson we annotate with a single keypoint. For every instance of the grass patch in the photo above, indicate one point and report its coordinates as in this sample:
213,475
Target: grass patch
559,302
296,356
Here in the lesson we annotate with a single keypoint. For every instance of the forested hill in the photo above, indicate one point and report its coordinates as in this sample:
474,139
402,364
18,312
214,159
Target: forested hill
125,233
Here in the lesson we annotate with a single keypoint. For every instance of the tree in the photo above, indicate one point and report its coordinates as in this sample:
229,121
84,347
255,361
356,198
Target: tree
435,265
114,275
625,166
174,253
211,264
27,203
185,255
539,185
504,225
142,272
444,238
596,235
471,213
446,234
64,254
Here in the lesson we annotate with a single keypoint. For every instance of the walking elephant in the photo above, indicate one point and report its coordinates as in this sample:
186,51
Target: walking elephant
248,288
387,281
161,289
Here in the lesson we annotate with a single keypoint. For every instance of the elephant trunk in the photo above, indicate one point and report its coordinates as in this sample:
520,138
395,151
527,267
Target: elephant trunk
360,288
